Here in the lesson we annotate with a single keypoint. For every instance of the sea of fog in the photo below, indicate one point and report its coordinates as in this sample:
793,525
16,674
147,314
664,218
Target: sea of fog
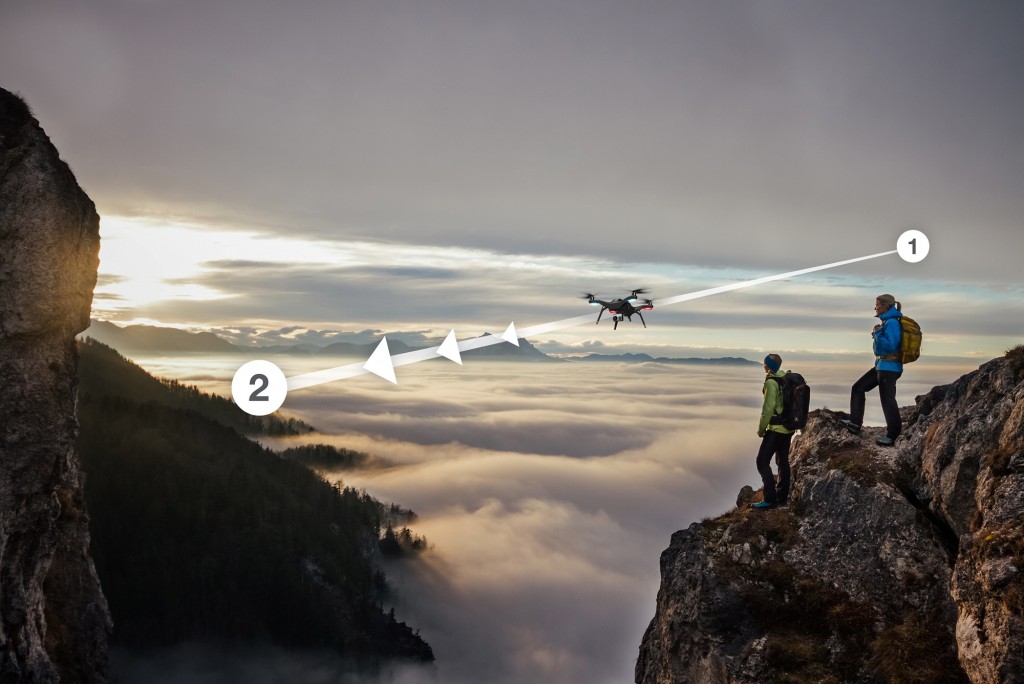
547,491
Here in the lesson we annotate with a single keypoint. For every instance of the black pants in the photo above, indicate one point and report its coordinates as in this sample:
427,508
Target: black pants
885,381
774,444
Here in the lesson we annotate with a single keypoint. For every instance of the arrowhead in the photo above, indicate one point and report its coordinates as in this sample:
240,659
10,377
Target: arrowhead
449,349
380,364
510,334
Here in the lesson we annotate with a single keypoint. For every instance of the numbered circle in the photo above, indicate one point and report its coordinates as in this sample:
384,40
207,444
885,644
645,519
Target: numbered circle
259,388
913,246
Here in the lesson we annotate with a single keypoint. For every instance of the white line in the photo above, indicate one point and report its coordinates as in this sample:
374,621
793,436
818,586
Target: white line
762,281
353,369
330,375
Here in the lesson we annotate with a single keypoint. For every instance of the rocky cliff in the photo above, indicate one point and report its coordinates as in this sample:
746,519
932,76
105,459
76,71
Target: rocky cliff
54,622
889,565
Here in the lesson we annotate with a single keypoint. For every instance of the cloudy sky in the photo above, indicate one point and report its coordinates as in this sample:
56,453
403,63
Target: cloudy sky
413,166
329,169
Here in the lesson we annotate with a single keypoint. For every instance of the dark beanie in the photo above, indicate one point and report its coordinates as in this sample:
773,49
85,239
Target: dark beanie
773,363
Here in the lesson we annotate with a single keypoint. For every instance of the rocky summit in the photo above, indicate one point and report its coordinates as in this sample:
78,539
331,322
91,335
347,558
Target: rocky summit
55,621
899,564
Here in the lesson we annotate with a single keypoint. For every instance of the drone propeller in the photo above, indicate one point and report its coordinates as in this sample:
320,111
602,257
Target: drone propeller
633,294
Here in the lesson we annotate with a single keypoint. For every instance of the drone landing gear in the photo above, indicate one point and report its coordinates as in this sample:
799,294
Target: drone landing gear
641,318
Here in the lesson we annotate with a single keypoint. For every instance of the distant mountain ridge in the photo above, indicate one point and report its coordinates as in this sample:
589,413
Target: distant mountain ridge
151,338
157,339
148,339
647,358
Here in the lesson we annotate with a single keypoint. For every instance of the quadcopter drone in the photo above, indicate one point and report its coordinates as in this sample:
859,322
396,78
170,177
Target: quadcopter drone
622,308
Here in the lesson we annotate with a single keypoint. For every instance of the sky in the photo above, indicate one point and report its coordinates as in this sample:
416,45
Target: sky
329,170
418,166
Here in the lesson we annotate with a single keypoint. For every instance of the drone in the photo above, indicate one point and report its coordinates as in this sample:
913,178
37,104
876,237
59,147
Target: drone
622,308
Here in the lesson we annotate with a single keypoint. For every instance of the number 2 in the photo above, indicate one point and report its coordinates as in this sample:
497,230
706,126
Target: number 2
256,396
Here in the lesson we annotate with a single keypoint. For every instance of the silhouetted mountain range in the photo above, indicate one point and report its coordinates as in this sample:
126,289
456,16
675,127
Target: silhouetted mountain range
144,339
149,338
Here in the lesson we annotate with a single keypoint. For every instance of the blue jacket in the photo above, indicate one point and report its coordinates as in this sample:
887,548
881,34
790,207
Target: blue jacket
887,341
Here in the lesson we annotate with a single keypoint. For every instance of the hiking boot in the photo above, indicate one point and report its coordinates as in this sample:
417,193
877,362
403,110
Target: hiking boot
764,505
850,425
885,441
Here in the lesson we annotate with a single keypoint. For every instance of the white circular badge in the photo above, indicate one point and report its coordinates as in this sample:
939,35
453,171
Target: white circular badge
259,388
912,246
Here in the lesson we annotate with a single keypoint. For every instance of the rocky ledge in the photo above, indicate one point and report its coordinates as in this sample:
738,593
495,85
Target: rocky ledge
900,564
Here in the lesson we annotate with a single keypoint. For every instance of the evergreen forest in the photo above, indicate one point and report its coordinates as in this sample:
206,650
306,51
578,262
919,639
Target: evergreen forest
199,534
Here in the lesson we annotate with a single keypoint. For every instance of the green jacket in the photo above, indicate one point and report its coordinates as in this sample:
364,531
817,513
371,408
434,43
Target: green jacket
772,392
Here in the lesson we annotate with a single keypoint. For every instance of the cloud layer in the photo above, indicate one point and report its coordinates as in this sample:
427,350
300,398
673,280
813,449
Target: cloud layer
549,492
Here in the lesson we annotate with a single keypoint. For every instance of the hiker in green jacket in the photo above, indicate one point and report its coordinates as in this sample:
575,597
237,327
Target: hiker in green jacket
775,439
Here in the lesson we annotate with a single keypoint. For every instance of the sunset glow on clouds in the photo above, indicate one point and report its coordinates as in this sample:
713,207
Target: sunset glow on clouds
266,288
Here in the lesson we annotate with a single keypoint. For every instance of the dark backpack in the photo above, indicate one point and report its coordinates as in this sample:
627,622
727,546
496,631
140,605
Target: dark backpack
796,401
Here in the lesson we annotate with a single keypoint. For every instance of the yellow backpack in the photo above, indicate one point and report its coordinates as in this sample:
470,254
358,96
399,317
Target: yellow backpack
910,340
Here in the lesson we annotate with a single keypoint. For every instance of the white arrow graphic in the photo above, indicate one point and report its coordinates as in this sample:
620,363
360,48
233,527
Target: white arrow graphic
379,362
449,349
510,334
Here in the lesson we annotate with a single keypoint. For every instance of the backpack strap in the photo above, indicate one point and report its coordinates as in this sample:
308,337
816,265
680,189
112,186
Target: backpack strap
782,384
897,355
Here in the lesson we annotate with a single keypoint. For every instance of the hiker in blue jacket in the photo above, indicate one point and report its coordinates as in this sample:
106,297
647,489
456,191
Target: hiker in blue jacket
886,337
775,438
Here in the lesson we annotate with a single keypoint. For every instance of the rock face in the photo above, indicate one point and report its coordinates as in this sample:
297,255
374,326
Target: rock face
55,623
889,565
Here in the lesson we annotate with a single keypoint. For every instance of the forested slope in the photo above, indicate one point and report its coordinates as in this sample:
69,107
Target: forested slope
200,534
